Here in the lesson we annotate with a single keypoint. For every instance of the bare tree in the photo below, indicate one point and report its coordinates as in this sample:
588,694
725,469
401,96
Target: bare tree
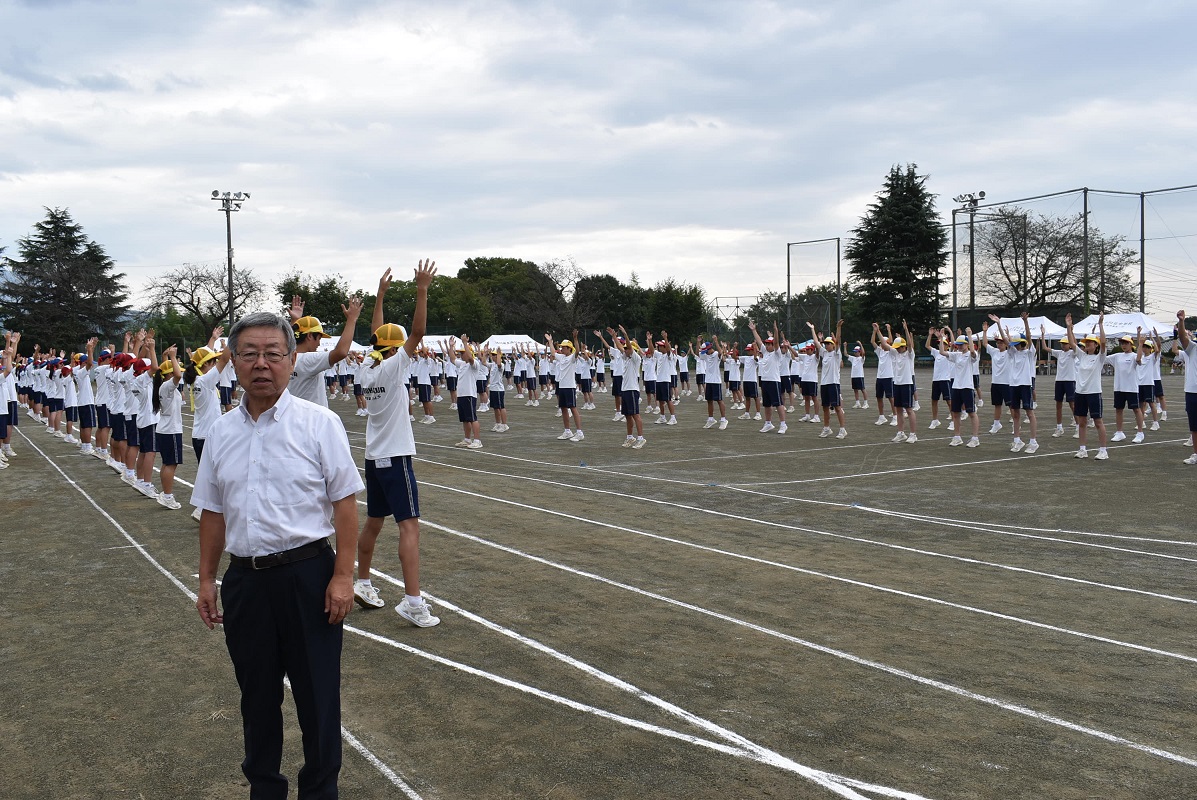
1032,261
200,291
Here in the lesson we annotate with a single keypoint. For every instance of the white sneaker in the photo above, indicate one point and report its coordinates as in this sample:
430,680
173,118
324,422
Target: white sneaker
577,437
899,437
768,426
127,478
1032,446
916,406
823,434
1118,437
1189,442
1017,446
617,418
856,404
756,417
980,402
995,427
1076,434
628,442
496,428
973,442
69,439
1139,437
1082,453
843,434
466,443
475,444
672,421
934,424
804,418
710,423
894,420
914,437
814,418
196,514
745,415
723,424
1058,432
1163,416
167,501
659,421
453,406
640,442
881,420
147,489
864,403
789,409
428,420
420,616
1102,455
951,425
782,428
1191,460
1155,425
956,442
566,434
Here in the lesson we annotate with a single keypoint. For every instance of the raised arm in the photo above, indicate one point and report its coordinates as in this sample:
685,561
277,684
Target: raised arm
351,312
425,272
1182,334
384,283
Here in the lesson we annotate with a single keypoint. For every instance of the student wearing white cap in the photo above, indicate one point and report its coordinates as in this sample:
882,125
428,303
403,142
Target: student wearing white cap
775,355
999,384
856,361
1126,384
962,356
390,445
1021,362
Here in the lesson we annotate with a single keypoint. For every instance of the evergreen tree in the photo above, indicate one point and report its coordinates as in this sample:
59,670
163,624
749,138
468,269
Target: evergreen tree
898,250
61,289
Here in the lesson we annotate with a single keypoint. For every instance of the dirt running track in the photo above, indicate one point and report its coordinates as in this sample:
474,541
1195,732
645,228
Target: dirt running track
721,614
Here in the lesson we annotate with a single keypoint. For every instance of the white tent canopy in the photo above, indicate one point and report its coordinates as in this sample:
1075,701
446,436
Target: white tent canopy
330,344
1120,324
508,342
1014,325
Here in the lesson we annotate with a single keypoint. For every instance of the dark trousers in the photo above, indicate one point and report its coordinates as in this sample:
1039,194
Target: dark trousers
275,625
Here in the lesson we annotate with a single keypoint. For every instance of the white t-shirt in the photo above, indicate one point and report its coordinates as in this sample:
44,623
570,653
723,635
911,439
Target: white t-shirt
565,370
857,365
631,369
885,366
1020,365
1145,371
829,366
1125,377
207,403
1088,373
962,368
769,366
1065,364
1001,364
748,368
170,407
903,366
388,423
942,370
1190,353
307,379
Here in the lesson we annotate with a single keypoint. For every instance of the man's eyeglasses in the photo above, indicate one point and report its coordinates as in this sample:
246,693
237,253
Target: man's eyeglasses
251,357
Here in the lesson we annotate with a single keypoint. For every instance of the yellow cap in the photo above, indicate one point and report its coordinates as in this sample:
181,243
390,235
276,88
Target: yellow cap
310,325
389,335
202,356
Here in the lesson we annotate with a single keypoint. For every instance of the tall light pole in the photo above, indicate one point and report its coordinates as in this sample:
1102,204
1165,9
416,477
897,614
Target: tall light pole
968,202
230,202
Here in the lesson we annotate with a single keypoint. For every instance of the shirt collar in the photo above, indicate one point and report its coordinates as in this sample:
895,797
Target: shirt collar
275,412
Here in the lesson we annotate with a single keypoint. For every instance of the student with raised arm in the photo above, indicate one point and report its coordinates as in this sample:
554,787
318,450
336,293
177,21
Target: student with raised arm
566,361
1065,386
774,355
707,365
941,379
884,383
307,379
467,390
1186,345
856,361
391,488
1020,360
962,356
830,395
901,358
999,383
1089,365
1126,384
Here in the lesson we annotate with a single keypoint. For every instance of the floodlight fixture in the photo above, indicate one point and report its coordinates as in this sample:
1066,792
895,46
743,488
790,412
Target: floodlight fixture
215,193
230,202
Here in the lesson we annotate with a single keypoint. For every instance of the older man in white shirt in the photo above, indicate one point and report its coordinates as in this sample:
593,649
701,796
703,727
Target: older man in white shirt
277,479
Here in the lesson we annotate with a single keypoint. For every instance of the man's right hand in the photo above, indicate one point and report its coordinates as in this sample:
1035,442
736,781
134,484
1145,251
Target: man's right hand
207,606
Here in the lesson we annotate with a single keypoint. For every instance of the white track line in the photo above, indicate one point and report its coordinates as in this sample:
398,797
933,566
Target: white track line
356,744
1022,710
828,576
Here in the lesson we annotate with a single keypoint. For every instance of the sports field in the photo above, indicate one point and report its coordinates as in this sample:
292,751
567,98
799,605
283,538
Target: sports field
720,614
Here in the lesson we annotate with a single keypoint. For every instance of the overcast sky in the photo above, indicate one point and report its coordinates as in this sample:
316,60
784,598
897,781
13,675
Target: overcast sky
671,139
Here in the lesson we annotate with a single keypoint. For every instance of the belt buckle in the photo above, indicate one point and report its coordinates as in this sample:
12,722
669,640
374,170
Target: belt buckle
253,563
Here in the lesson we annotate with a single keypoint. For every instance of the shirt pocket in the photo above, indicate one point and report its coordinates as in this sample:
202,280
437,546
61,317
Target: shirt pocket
291,480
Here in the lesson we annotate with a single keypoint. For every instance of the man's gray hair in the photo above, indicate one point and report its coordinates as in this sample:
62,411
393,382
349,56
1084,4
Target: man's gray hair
263,319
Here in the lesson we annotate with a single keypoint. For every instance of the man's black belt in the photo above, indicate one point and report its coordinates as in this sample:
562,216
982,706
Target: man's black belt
301,553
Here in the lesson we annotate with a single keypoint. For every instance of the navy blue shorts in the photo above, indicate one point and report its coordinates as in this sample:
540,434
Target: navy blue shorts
567,398
629,403
700,379
1065,391
198,446
72,413
226,395
664,392
55,404
750,392
4,425
733,386
771,393
714,392
132,431
617,384
963,400
1020,398
1159,388
809,388
87,416
343,380
941,390
787,385
884,387
467,409
424,392
829,395
858,384
498,400
1088,405
102,418
650,388
601,378
480,388
684,377
1125,400
13,416
451,383
357,390
391,491
170,447
904,395
1146,394
147,438
543,380
1191,410
999,393
118,427
586,385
